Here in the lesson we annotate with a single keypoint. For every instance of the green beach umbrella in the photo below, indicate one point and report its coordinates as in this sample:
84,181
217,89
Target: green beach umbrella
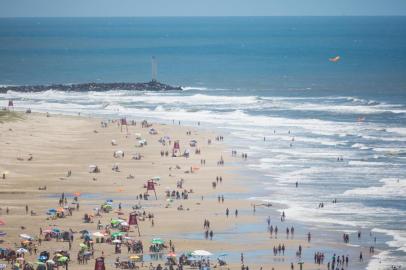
158,241
115,221
63,259
117,234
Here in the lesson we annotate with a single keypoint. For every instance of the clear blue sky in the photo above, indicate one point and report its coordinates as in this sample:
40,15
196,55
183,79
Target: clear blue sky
106,8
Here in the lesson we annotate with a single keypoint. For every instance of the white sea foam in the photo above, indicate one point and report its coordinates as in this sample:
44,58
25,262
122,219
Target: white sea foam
399,238
383,261
360,146
392,187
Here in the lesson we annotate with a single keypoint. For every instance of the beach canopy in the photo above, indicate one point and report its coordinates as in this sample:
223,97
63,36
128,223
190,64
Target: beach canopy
157,241
201,253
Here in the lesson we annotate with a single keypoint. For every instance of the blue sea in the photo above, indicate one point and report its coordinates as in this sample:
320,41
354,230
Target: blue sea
250,78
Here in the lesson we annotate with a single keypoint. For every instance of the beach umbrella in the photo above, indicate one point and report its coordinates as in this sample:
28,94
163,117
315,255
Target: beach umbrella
117,241
134,257
56,230
98,234
25,236
158,241
63,259
171,254
124,223
201,253
117,234
2,234
156,178
115,221
21,250
107,207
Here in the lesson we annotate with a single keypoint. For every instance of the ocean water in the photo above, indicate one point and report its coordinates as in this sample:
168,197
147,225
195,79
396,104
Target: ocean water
250,78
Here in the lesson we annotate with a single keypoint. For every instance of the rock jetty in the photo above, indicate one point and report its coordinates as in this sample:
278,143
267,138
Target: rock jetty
99,87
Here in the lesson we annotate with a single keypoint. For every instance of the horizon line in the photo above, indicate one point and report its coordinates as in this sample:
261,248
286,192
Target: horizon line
191,16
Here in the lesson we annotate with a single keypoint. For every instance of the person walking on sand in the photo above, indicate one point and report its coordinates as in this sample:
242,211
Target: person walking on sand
26,209
227,212
236,212
242,258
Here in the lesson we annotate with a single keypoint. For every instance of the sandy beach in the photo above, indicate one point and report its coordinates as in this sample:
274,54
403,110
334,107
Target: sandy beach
39,151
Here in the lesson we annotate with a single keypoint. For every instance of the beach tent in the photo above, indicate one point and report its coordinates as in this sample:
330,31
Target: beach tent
153,131
118,154
93,169
201,253
142,142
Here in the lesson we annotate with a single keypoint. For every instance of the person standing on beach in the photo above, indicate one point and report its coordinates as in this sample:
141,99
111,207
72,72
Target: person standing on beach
227,212
236,212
